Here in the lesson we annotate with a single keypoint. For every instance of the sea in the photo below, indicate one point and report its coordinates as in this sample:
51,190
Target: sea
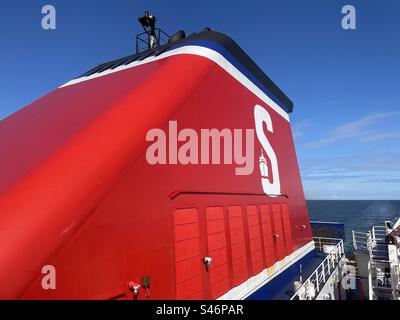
357,215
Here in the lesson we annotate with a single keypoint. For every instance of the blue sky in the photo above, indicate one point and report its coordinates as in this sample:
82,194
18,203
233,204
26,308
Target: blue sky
345,84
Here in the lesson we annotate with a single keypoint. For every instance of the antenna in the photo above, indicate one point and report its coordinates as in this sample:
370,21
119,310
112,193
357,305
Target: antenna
152,37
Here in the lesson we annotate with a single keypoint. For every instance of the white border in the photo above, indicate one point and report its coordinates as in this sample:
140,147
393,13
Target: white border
199,51
253,284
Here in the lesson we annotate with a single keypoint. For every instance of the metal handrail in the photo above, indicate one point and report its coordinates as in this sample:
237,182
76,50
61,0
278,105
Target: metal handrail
325,241
361,242
312,286
368,240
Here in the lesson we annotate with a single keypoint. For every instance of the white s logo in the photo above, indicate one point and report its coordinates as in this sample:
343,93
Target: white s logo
262,116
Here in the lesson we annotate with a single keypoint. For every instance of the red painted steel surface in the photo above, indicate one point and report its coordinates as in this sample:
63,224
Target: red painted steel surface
77,192
187,254
268,235
253,220
240,270
217,248
287,231
278,232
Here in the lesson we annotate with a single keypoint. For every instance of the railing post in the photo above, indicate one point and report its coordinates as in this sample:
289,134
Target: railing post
323,272
317,276
354,240
329,264
370,242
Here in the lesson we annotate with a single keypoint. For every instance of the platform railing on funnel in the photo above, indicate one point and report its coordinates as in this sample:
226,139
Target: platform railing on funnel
310,288
145,41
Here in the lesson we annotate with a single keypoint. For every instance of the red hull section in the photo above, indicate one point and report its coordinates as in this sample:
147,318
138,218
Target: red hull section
78,193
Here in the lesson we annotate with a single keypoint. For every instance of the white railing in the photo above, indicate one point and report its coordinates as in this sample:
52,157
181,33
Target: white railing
315,282
361,240
321,242
368,241
378,233
395,273
383,270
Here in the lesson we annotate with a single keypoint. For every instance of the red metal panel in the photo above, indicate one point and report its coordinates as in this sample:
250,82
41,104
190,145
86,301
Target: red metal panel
219,272
278,231
257,259
238,245
268,235
287,228
190,289
187,254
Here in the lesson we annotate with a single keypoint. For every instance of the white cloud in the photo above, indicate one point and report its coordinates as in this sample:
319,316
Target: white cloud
362,130
370,174
298,128
380,137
